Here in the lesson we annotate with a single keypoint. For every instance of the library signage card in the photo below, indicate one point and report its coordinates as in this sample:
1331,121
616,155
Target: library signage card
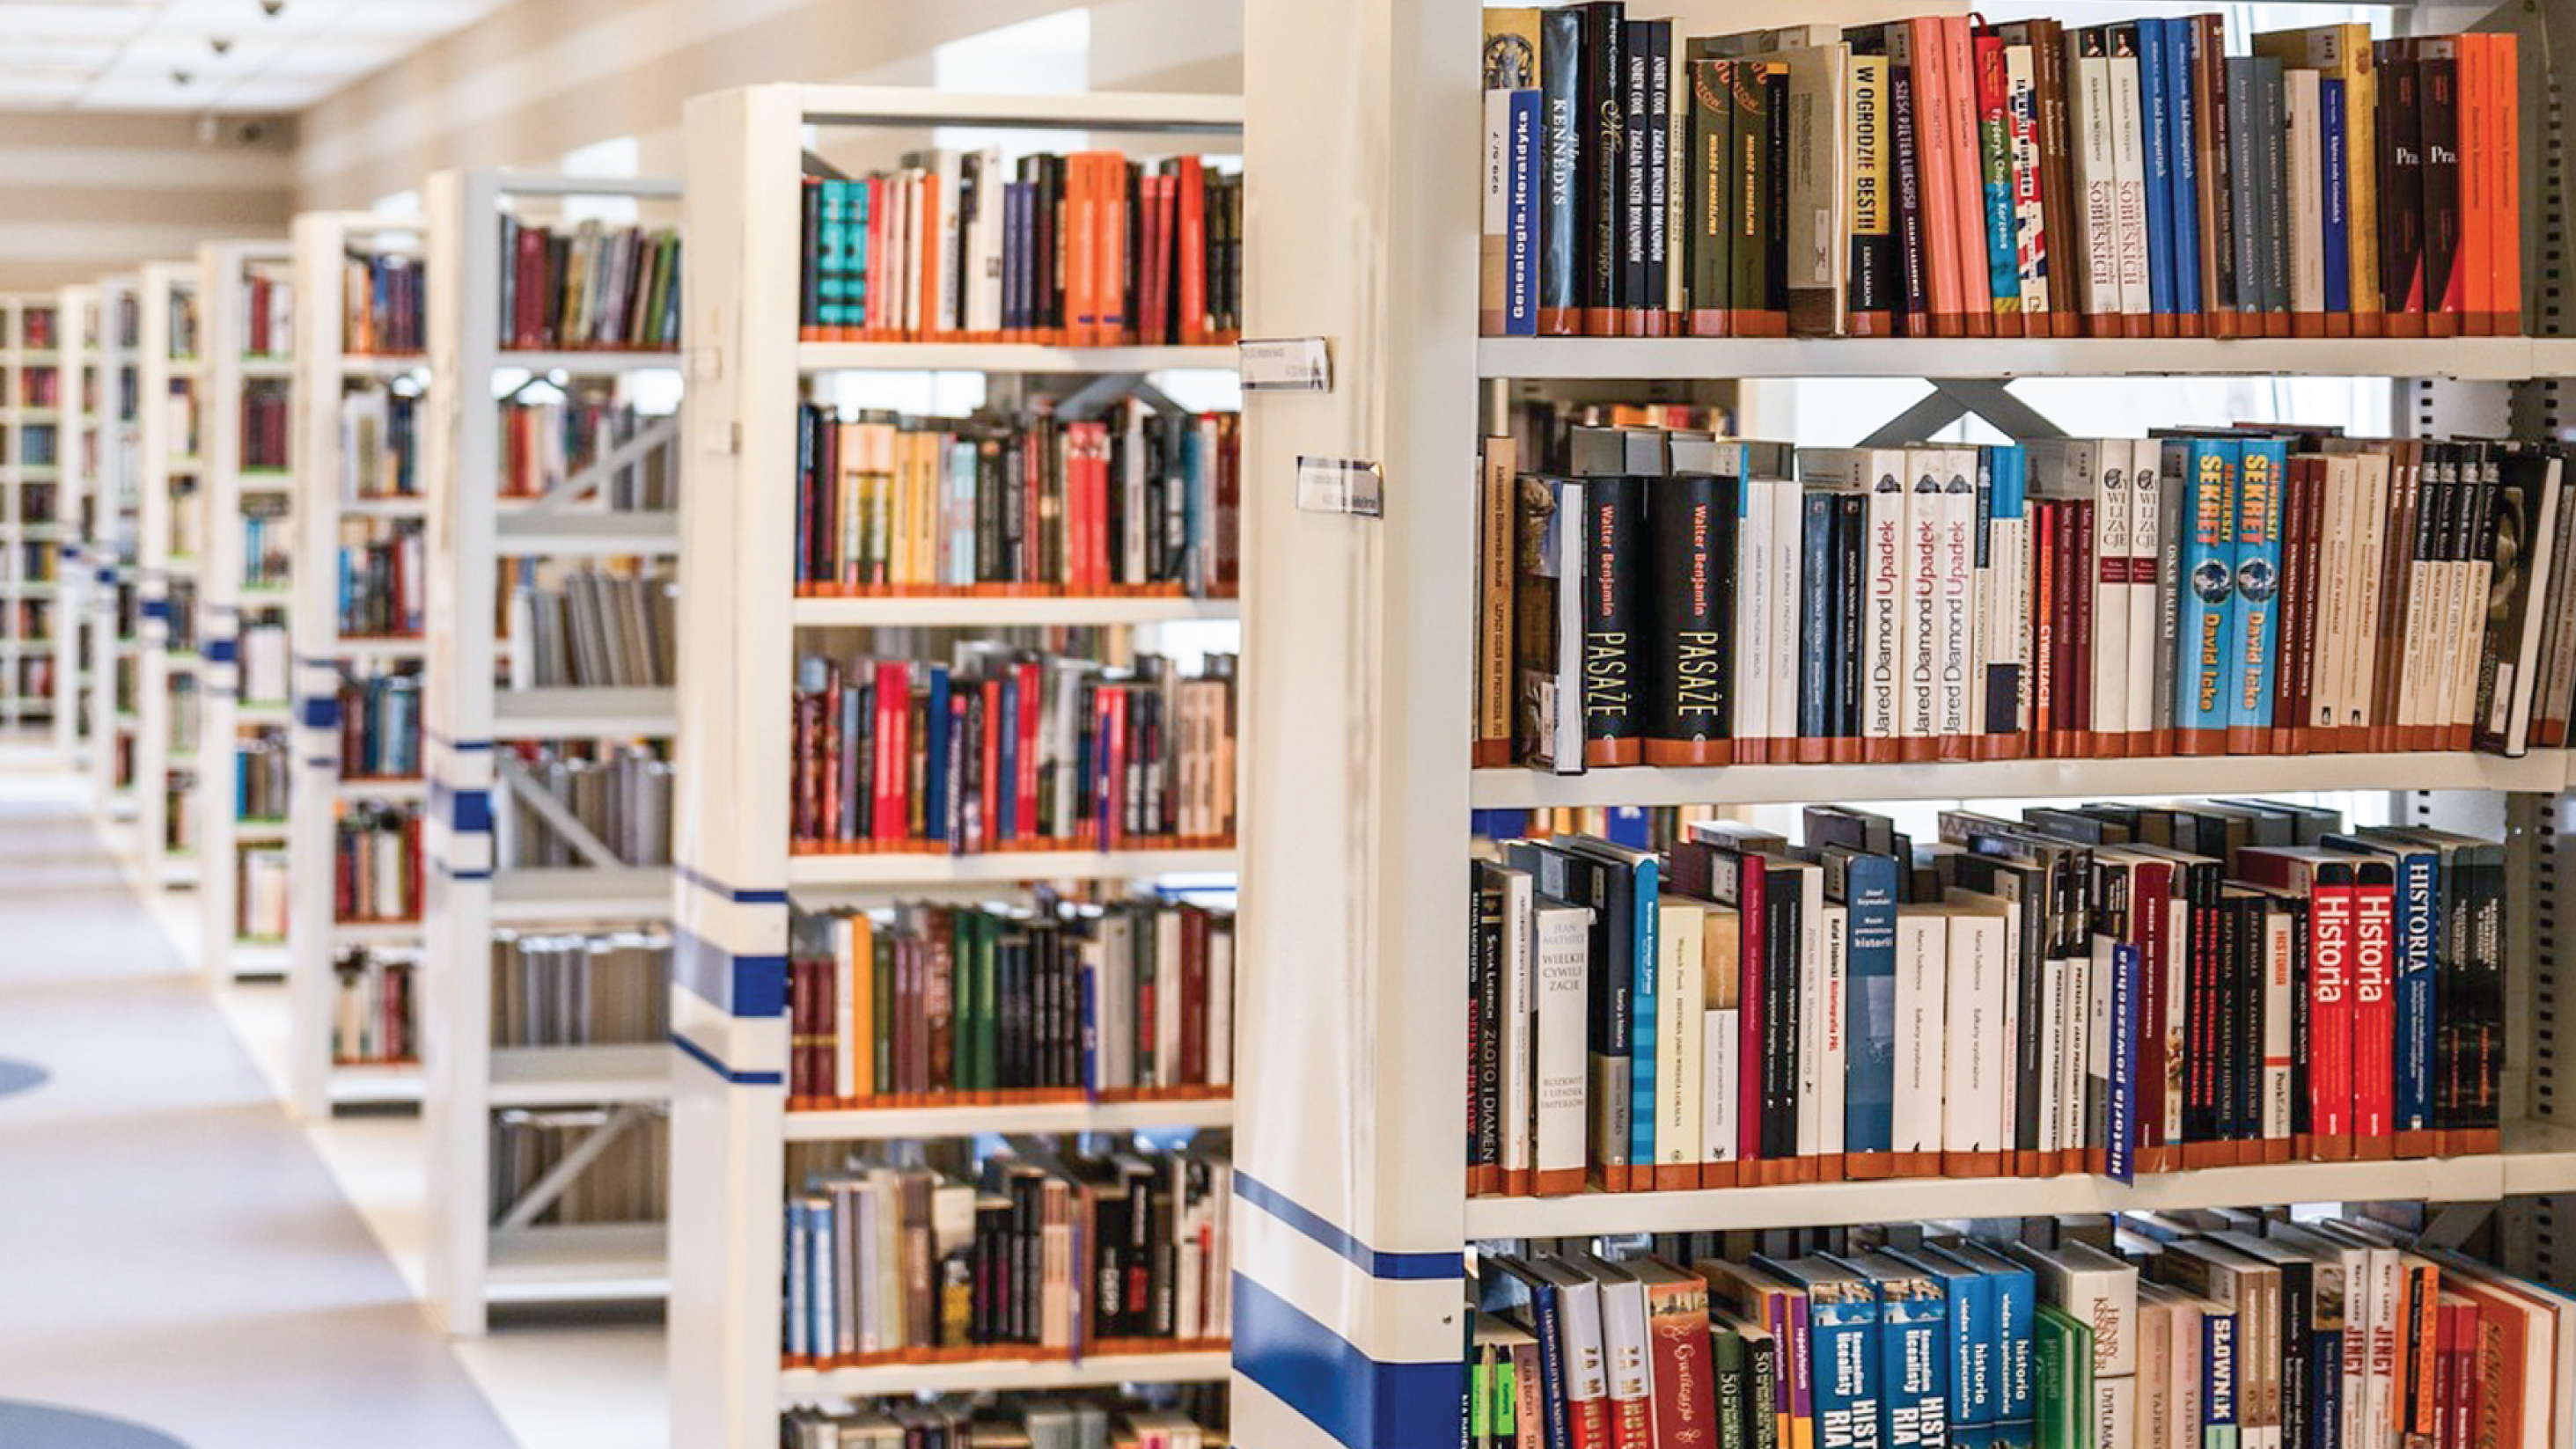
1285,364
1341,485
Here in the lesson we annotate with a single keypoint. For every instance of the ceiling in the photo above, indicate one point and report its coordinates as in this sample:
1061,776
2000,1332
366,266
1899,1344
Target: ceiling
128,55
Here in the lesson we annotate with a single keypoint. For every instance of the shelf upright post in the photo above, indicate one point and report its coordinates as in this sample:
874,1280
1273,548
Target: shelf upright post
224,322
1349,1178
38,542
165,660
113,544
76,456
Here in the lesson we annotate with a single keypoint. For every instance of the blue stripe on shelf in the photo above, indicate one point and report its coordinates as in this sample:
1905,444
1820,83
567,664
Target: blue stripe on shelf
454,874
708,1060
1410,1266
223,651
435,737
748,986
318,711
1360,1401
156,609
714,886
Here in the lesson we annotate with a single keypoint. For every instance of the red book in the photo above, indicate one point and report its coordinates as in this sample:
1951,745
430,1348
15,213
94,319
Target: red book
1026,786
894,751
1682,1365
1109,760
2374,1009
2330,1013
1193,248
988,820
1081,249
1194,954
2148,919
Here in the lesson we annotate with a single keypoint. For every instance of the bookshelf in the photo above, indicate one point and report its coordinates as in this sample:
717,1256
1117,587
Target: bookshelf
742,626
77,328
240,374
171,518
109,540
1353,1210
30,533
478,544
337,376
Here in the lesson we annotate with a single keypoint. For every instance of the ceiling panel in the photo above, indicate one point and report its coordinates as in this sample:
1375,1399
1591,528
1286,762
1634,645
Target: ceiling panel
132,54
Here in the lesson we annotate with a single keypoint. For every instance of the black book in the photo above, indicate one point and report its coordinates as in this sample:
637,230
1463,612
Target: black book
1775,192
2401,183
1690,654
1560,209
2437,83
1614,520
1816,597
1784,918
1636,153
1605,67
1851,543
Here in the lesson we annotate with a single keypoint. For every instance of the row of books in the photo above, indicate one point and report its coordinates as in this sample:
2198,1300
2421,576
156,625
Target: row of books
593,287
267,303
1088,249
267,417
376,865
1139,501
39,387
1011,1421
1063,1255
2103,988
183,324
384,579
268,541
2159,1331
263,770
933,1005
567,989
546,440
380,444
262,898
36,501
381,308
265,663
1010,749
595,628
32,620
36,329
621,795
1942,177
375,1014
628,1181
380,717
2250,591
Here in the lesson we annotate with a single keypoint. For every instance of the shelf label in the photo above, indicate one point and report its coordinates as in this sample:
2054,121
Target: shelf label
1285,364
1341,485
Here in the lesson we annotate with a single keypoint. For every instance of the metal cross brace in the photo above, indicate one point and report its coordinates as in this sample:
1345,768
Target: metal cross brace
541,1194
1953,398
2454,1223
1095,396
660,433
556,815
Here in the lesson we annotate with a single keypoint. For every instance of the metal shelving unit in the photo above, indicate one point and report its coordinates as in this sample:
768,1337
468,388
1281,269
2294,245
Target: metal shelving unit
30,540
741,628
170,514
472,723
110,620
77,328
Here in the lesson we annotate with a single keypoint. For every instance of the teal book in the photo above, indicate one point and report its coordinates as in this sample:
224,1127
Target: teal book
2253,620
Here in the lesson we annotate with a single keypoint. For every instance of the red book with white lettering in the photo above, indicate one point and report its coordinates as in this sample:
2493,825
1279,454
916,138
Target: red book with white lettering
2327,878
2374,1009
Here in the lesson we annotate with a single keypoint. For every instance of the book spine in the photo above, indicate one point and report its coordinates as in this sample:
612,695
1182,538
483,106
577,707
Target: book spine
2253,618
1883,637
2156,154
1913,257
1995,157
2334,132
1875,275
1692,518
2186,137
1564,138
1613,519
2029,212
1525,159
1603,74
1710,212
1816,596
2448,253
2374,1013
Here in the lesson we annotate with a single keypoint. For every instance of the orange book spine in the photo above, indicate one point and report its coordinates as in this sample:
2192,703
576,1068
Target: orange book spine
2478,177
1939,190
1193,246
2504,68
1111,251
1967,175
1081,310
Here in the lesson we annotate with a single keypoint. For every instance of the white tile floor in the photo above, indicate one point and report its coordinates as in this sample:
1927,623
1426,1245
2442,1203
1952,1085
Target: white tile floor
551,1386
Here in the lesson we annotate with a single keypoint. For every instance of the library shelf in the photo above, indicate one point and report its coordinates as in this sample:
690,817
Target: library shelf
1523,789
374,933
1000,867
577,1263
882,1124
587,364
803,1385
381,787
2537,1158
381,365
31,545
2466,359
577,712
1004,612
1004,357
577,533
165,458
395,507
251,960
570,1076
374,1084
561,895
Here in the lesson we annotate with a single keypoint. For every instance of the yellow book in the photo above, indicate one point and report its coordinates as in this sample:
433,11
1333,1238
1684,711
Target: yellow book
2342,53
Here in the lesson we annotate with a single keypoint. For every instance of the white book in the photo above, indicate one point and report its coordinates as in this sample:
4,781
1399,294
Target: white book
1834,1029
2097,181
1976,1112
1680,1003
2113,528
1560,942
1753,612
1167,1004
1578,1303
2177,1003
2115,1413
1625,1343
2015,545
1788,555
1520,1016
1918,716
1811,956
2094,1288
2330,674
2279,963
1719,1126
988,250
2387,1306
2305,153
947,169
1922,1017
1494,212
2146,544
2371,511
2471,639
845,1011
2021,90
1822,946
1954,658
2129,168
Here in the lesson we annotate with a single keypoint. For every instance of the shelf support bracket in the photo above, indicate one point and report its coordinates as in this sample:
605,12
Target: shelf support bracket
2454,1224
1953,398
541,1194
658,434
556,815
1095,397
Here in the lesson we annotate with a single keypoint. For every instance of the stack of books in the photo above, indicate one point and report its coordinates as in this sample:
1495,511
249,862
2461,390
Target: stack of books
595,628
377,865
572,990
380,727
383,579
381,310
592,287
374,1012
380,444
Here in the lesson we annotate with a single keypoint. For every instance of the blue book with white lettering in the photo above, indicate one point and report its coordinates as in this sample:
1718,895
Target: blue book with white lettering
1868,890
2016,1321
1967,1344
1845,1378
2121,1156
2182,45
2254,616
1914,1363
2338,227
1521,164
2416,947
2154,98
2205,675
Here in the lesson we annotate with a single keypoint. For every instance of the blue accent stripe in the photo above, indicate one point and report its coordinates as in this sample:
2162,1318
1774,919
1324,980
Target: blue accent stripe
318,711
747,986
1415,1267
435,737
469,812
1360,1401
223,651
708,1060
713,886
453,873
157,609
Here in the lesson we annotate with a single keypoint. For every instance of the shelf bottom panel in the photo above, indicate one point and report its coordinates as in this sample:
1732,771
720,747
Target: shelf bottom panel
578,1263
803,1385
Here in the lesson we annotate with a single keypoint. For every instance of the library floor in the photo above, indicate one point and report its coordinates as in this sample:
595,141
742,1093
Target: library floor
181,1263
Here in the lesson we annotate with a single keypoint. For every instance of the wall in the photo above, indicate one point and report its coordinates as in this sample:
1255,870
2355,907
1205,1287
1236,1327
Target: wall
92,192
544,77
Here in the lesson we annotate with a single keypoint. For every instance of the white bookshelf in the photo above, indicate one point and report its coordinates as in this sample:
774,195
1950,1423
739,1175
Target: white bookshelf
227,606
471,722
77,325
1352,1209
110,538
170,513
327,502
742,627
30,547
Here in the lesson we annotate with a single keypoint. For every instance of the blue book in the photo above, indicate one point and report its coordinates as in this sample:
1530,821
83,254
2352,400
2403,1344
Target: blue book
854,255
2154,102
1866,885
1005,802
1966,1344
1817,588
1633,874
2338,225
1517,1291
1520,225
2003,227
2253,618
1629,825
934,775
2004,682
2016,1319
2204,677
2122,1134
1843,1356
2182,102
800,1322
1913,1354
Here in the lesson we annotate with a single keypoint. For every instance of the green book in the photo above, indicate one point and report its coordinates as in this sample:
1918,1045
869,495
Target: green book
1733,1375
883,967
2065,1351
1712,147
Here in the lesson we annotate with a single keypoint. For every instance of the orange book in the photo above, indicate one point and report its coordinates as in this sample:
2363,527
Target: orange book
925,225
1967,175
1081,241
2478,177
1193,249
1116,327
1926,41
2504,70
